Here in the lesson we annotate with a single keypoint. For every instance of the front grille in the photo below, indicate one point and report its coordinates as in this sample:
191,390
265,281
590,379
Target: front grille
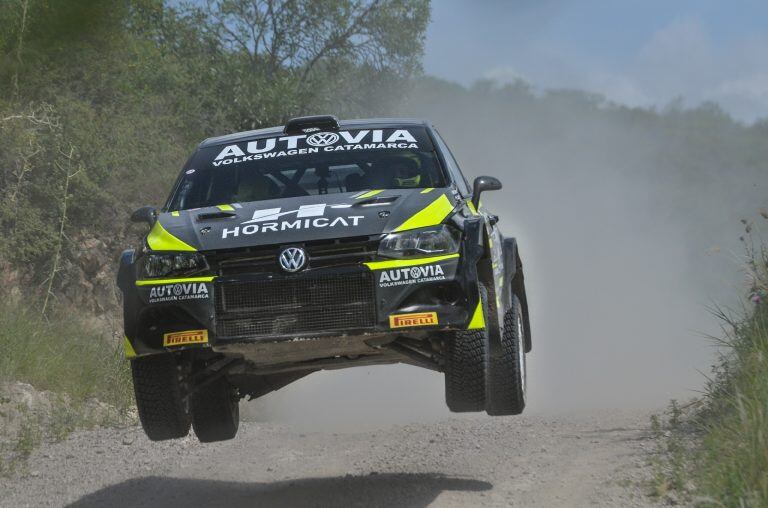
322,254
295,305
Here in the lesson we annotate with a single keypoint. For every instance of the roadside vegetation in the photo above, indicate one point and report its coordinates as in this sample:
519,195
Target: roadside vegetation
715,451
61,353
58,373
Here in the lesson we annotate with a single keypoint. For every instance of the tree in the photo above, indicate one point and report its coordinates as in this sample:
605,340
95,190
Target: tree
286,57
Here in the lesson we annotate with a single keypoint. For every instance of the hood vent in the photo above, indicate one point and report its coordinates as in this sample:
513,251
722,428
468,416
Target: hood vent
377,201
215,216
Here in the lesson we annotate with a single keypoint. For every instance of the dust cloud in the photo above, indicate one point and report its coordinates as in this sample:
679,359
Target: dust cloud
628,230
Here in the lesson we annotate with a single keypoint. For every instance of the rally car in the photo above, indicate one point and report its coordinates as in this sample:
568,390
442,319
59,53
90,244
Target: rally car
320,245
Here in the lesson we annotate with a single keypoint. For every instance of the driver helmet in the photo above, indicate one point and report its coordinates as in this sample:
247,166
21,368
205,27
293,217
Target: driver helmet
405,172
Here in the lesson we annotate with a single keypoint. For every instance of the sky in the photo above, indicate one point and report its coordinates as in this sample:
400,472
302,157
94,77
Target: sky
634,52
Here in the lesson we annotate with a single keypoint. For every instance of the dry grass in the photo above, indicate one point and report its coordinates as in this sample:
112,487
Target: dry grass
61,354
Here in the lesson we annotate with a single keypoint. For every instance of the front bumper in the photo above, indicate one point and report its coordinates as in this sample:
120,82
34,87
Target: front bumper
375,298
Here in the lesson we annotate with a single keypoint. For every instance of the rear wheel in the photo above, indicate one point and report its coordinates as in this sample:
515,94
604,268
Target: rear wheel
216,411
465,361
159,383
506,376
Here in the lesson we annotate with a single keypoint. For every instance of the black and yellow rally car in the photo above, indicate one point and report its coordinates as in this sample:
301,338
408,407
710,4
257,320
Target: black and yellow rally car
320,245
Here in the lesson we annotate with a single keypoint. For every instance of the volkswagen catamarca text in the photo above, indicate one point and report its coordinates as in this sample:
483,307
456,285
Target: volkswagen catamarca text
320,245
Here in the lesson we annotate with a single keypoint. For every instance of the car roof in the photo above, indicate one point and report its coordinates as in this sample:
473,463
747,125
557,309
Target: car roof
382,123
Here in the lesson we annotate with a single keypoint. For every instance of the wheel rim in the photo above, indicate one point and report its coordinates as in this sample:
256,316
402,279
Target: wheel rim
521,352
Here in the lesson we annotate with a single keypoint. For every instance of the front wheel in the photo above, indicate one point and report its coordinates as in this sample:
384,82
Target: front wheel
465,364
159,383
216,411
465,371
506,375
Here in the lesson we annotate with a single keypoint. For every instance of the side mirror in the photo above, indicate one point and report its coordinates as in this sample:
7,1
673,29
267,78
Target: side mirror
482,184
146,214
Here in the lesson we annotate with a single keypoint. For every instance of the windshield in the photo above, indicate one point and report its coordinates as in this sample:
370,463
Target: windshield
304,165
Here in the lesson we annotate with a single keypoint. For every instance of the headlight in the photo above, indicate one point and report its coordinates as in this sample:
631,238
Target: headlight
163,265
421,242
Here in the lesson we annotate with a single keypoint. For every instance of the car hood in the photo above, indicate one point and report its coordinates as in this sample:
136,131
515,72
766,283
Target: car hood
300,219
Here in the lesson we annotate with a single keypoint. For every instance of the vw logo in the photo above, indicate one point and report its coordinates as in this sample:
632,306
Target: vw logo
322,139
292,259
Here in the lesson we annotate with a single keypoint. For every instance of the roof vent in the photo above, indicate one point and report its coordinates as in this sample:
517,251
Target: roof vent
310,124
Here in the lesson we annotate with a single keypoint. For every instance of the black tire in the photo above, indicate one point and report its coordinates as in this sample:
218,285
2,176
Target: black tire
216,412
506,374
465,361
159,385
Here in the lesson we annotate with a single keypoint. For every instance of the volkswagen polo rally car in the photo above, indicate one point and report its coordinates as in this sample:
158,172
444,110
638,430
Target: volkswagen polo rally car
320,245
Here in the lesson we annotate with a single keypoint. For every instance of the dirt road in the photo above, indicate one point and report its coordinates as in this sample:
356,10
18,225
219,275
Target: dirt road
477,461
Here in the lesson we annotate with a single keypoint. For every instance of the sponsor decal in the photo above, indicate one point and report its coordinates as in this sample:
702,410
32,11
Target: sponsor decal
185,338
411,320
178,292
269,148
322,139
410,275
305,217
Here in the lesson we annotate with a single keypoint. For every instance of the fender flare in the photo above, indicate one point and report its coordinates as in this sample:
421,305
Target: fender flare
513,275
126,278
125,273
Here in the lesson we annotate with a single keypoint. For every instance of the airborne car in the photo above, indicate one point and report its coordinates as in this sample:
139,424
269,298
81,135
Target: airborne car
320,245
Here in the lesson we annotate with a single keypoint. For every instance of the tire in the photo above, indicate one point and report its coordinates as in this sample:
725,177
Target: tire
465,361
216,412
506,375
159,385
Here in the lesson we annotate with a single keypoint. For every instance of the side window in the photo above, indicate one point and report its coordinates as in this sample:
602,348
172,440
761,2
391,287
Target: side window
453,166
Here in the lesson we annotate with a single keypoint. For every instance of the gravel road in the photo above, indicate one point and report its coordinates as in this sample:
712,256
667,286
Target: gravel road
596,460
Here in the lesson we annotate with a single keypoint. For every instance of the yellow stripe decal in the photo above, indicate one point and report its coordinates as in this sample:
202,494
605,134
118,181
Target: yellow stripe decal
370,194
226,208
400,263
434,214
129,351
155,282
427,190
160,239
175,214
471,207
478,320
